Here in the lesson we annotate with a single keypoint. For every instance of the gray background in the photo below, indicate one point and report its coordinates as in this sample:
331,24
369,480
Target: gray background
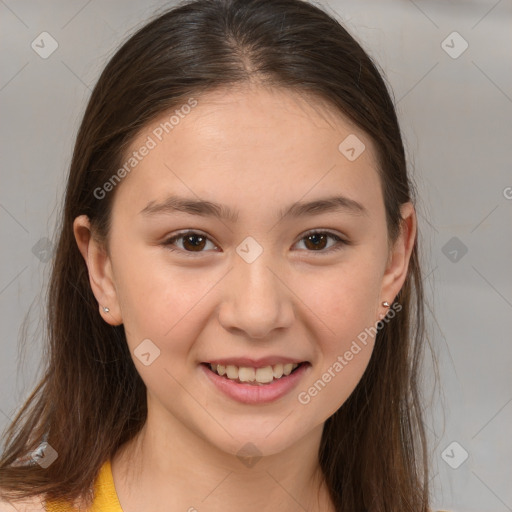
456,117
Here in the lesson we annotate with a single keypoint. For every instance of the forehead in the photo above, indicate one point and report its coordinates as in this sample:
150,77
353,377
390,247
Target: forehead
250,146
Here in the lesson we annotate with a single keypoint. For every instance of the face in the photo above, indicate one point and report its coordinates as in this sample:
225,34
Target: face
279,281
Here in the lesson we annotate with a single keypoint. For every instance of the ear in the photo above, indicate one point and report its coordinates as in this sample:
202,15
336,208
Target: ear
100,270
399,257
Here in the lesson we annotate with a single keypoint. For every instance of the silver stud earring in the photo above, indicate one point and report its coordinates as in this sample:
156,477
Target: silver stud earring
385,304
106,310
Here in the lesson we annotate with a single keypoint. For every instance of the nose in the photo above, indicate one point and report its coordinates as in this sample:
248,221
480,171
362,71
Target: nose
257,299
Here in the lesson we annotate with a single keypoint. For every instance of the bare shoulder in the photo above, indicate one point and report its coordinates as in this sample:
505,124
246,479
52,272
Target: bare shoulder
34,504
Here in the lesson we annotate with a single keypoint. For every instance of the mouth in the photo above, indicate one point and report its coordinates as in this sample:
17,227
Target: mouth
257,384
252,376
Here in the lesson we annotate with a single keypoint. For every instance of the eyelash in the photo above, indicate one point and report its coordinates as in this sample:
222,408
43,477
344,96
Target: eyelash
340,242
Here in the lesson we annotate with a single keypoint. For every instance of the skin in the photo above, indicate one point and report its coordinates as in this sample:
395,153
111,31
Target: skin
256,150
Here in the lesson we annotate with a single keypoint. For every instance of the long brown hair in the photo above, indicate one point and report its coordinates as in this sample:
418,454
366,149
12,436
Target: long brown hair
91,399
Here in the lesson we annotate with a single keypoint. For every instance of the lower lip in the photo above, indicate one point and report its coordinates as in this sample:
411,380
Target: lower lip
255,394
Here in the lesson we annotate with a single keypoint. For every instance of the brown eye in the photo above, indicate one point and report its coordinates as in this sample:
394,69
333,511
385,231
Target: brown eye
192,242
316,241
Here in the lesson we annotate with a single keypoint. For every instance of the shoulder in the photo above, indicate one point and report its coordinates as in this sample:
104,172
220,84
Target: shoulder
26,505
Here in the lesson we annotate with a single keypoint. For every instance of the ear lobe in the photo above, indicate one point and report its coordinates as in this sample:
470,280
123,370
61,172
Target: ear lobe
100,270
400,254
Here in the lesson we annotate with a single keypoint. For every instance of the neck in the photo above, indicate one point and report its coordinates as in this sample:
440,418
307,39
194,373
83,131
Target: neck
169,465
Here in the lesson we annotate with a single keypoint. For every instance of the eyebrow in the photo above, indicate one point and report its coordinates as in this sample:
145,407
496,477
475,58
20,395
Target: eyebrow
202,208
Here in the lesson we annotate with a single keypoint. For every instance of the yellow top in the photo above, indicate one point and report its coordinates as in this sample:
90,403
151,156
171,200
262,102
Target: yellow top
105,496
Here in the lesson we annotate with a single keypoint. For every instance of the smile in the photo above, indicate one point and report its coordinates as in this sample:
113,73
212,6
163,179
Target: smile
253,386
258,376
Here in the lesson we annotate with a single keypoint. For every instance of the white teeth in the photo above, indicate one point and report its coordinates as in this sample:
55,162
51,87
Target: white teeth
246,374
287,368
263,375
278,371
231,372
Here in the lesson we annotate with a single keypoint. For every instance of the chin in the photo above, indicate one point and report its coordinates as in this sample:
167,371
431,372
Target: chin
261,439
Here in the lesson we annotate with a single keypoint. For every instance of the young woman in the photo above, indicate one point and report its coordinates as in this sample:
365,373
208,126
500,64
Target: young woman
236,307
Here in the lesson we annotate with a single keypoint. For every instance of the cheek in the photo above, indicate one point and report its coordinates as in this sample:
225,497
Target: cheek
342,299
337,373
344,311
331,388
155,296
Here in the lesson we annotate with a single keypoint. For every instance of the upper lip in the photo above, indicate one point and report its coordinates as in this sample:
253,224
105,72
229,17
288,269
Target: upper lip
255,363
